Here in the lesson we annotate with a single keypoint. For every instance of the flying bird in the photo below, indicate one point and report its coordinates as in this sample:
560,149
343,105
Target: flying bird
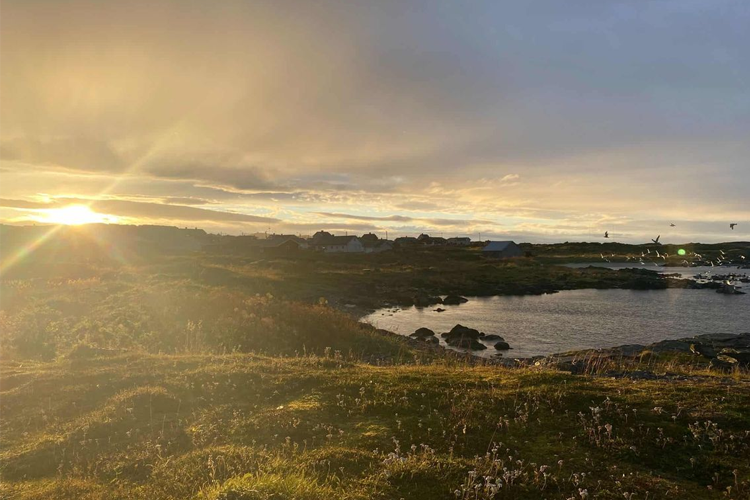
656,241
606,234
731,226
672,225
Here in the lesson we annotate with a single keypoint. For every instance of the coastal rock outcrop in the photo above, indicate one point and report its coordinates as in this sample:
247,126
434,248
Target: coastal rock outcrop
422,333
454,300
462,331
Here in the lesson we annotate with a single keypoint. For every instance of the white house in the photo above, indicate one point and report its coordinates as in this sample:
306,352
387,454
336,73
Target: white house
459,241
340,244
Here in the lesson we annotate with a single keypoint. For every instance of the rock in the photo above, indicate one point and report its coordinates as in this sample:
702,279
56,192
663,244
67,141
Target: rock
718,363
459,331
454,300
432,340
492,336
426,300
742,358
502,346
628,350
671,345
466,343
422,333
703,350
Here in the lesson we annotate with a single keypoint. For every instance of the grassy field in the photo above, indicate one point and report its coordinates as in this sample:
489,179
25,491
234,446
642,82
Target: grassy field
247,426
229,377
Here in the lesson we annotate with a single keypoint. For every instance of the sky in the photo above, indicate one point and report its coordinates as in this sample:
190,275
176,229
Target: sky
538,120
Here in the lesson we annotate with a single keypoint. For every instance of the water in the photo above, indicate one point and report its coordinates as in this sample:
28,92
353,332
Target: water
685,272
580,319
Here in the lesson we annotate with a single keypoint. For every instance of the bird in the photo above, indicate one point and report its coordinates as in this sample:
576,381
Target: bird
656,241
606,234
672,225
731,226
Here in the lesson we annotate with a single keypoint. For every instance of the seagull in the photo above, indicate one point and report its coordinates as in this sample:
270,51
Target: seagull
656,241
658,255
606,234
672,225
731,226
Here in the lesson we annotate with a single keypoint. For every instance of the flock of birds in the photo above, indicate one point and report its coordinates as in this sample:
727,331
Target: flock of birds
696,258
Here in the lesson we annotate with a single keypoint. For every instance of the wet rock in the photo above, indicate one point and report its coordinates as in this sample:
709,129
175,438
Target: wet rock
466,343
502,346
454,300
462,331
422,333
492,336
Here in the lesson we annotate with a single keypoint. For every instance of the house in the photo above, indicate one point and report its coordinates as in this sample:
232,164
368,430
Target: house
502,249
279,245
301,241
426,239
462,241
405,241
338,244
377,246
369,237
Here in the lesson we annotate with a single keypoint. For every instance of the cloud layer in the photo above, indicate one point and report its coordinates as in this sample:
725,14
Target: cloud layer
542,119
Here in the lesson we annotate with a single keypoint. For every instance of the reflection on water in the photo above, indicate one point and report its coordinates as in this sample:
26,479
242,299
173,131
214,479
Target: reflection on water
580,319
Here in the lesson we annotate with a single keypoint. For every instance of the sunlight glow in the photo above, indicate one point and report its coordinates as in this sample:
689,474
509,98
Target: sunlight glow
74,215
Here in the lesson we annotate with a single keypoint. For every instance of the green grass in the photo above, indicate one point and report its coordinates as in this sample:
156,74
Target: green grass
249,426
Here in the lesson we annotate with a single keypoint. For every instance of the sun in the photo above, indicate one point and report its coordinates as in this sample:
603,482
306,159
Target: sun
74,215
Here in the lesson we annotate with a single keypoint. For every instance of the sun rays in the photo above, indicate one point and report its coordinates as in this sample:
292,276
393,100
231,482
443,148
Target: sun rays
73,215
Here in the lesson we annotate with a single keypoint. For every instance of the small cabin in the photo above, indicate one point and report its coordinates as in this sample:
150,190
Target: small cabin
502,249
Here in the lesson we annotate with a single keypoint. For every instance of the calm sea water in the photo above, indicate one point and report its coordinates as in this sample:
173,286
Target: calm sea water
581,319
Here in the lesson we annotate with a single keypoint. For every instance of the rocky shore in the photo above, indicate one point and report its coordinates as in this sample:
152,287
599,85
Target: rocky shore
717,351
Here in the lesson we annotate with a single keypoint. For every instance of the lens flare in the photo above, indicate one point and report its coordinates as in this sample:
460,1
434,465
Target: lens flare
73,215
681,252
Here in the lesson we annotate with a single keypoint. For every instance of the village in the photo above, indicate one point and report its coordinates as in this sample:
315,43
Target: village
325,242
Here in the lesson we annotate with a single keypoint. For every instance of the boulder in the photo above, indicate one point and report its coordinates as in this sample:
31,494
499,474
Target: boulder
460,331
432,340
719,363
671,346
492,336
466,343
703,350
422,333
741,358
502,346
454,300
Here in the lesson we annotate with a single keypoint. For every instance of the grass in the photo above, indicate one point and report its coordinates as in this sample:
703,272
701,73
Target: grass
240,426
223,377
